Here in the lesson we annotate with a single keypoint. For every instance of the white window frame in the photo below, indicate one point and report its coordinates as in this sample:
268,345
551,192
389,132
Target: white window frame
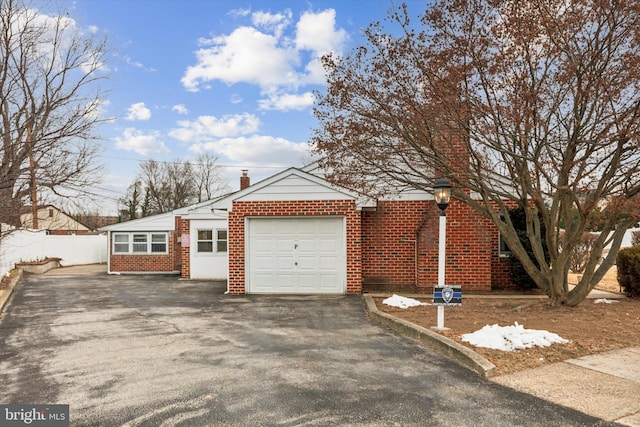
219,240
210,241
150,239
121,244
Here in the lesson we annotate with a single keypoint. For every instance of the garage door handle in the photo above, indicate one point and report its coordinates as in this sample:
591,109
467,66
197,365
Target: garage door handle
295,263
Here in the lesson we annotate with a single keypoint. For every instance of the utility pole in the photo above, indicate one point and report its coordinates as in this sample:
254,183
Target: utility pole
34,190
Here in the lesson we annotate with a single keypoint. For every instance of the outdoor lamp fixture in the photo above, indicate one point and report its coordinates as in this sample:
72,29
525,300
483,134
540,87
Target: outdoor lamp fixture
442,193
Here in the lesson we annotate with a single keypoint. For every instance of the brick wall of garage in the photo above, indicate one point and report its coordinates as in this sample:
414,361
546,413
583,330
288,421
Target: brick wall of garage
144,263
185,250
390,233
316,208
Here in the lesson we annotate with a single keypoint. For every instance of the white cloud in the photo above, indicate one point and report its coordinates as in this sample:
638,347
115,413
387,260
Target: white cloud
263,55
238,13
130,61
258,149
208,127
138,111
180,109
275,23
317,32
93,29
245,55
140,142
287,102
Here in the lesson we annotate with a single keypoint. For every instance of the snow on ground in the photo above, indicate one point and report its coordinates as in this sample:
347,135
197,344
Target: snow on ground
402,302
510,338
604,301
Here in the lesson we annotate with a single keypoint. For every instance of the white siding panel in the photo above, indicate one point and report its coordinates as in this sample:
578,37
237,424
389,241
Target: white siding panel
213,265
294,187
161,222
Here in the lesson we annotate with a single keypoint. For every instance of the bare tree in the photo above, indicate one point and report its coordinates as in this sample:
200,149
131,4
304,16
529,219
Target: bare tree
49,106
533,104
172,185
132,202
208,180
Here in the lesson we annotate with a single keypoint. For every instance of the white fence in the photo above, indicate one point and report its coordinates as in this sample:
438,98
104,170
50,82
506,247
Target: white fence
33,245
626,240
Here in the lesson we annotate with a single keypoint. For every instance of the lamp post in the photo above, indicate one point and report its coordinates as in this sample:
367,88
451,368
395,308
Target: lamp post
442,194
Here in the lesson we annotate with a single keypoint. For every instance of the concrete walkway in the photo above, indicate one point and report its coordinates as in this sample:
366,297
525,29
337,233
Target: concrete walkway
605,385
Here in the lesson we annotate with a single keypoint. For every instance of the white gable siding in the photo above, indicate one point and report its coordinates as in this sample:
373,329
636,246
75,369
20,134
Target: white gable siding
162,222
294,187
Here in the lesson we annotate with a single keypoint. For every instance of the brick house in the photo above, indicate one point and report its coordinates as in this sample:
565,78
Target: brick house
294,232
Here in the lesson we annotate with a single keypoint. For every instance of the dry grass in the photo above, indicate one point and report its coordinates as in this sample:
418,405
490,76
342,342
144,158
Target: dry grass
591,328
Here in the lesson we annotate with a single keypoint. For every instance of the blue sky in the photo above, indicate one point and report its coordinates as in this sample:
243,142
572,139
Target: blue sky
229,77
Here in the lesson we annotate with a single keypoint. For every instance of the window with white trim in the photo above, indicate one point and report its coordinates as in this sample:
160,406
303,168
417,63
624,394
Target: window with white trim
205,241
221,240
158,243
140,243
121,243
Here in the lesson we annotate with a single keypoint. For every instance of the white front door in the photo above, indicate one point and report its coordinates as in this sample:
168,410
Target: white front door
296,255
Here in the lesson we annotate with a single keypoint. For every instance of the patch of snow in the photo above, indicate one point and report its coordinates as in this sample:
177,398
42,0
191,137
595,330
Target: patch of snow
605,301
402,302
510,338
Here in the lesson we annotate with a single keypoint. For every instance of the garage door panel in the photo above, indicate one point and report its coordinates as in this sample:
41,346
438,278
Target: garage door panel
296,255
327,280
328,263
328,245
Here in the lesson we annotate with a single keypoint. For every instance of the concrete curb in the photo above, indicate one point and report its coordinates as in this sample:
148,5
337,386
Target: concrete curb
6,293
439,343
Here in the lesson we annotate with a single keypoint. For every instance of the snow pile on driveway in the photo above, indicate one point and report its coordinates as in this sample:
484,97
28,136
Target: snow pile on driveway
402,302
511,338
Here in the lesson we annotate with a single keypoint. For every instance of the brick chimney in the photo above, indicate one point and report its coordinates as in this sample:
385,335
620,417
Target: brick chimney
245,181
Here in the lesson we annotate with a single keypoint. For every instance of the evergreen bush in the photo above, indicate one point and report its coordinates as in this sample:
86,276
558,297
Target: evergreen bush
628,262
519,276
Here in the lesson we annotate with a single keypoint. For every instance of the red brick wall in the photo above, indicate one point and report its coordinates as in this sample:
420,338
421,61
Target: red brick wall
241,210
68,232
389,247
389,243
185,251
469,248
143,263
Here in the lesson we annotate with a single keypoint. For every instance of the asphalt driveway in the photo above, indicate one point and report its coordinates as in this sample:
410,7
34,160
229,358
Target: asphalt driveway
157,351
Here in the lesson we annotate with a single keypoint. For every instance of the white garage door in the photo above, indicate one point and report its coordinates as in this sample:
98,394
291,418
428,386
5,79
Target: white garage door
296,255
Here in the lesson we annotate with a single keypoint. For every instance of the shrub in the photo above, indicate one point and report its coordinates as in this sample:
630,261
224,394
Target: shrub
581,252
635,238
628,262
518,275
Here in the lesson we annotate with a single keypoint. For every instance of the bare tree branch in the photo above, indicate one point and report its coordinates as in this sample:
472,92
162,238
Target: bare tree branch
533,104
49,105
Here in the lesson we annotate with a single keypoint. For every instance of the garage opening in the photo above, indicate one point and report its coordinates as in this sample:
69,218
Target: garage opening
292,255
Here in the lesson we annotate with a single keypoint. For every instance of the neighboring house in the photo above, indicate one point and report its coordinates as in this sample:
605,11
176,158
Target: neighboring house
53,220
294,232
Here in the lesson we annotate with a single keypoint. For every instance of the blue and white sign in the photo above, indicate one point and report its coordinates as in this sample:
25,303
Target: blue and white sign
449,295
